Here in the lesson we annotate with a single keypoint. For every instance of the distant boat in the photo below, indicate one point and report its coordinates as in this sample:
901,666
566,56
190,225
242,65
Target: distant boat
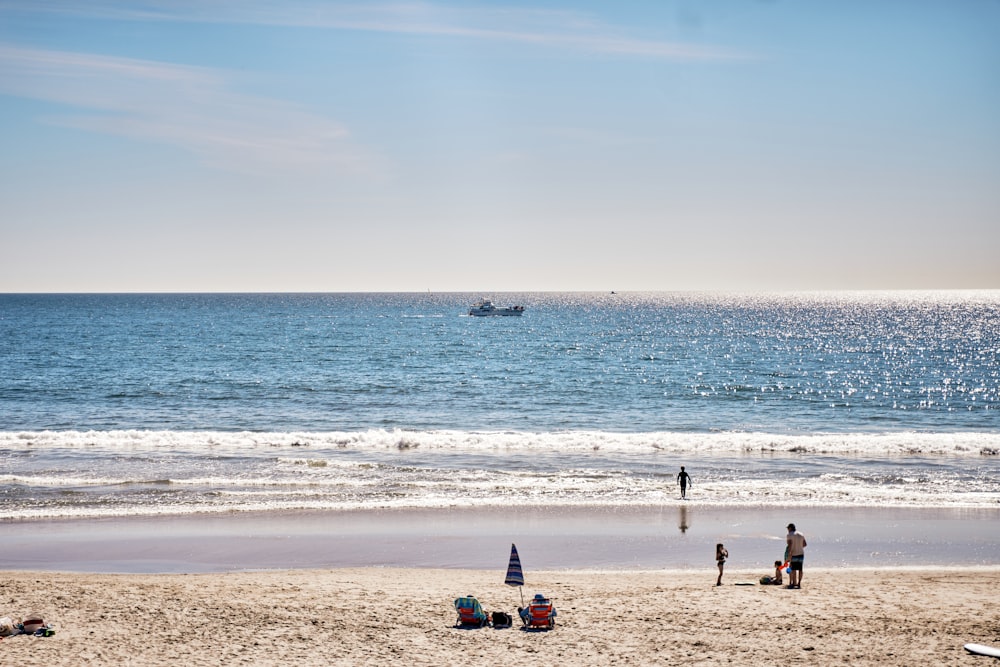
485,308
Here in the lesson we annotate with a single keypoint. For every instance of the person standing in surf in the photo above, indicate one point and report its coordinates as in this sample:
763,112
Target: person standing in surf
796,554
683,479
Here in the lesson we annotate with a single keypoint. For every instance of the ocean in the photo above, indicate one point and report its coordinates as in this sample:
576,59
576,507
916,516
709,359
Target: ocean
140,405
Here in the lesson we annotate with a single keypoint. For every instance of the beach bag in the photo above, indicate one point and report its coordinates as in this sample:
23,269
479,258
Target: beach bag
33,623
501,619
8,627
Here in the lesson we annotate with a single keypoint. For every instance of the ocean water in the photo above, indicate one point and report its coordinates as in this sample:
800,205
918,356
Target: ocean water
165,404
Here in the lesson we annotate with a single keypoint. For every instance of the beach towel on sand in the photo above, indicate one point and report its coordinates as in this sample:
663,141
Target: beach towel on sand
470,612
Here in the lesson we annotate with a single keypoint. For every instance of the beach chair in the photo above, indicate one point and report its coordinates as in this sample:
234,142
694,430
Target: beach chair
541,613
470,613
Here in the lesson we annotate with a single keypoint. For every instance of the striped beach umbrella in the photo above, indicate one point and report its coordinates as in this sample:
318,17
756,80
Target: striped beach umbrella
515,577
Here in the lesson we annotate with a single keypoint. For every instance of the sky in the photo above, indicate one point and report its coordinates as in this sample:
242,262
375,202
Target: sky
306,145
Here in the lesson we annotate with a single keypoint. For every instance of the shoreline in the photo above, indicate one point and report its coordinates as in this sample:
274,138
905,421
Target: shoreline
376,615
574,539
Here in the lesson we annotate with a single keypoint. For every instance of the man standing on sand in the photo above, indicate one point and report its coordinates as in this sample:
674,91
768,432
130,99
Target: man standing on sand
796,554
683,479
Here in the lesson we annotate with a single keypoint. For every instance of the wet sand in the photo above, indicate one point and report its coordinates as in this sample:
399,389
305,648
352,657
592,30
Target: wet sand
548,538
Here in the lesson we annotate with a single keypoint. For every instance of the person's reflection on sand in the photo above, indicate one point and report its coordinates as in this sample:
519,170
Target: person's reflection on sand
683,525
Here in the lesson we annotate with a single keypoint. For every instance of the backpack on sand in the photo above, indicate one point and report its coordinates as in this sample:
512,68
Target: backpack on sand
501,619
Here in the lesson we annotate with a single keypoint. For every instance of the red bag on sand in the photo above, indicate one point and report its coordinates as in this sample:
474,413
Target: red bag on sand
33,622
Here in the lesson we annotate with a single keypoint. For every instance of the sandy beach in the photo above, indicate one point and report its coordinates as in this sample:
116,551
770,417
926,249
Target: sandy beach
367,616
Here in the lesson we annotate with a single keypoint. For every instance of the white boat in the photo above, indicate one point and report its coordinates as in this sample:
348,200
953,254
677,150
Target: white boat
485,308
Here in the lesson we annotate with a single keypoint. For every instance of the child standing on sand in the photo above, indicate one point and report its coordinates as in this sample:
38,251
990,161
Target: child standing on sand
720,557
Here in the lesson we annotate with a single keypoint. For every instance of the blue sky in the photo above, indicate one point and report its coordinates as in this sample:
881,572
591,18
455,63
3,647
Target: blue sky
499,146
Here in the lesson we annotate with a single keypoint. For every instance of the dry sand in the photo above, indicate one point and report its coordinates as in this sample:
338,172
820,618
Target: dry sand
370,616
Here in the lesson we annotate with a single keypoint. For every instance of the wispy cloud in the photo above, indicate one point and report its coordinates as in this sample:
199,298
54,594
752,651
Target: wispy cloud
189,107
199,110
567,30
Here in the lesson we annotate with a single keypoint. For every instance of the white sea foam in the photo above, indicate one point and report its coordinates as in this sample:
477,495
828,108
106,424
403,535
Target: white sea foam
892,444
128,473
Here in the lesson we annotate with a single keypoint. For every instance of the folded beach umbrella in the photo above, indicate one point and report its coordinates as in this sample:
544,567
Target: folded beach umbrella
515,577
